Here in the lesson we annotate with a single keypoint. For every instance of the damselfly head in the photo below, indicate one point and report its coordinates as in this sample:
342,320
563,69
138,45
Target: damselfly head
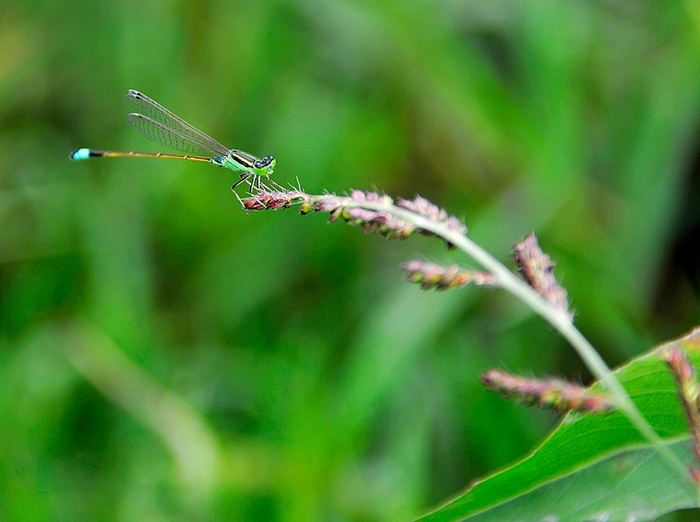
264,167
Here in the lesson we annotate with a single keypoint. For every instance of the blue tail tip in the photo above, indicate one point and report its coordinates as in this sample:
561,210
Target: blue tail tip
80,154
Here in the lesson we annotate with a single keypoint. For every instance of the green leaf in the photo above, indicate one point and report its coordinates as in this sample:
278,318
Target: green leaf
596,467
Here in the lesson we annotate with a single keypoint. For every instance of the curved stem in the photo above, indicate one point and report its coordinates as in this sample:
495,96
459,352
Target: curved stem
554,316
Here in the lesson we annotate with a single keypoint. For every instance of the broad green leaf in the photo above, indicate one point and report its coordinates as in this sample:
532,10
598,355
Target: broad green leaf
596,467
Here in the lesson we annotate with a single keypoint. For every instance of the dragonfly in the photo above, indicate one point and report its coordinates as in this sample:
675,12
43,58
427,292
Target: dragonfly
158,124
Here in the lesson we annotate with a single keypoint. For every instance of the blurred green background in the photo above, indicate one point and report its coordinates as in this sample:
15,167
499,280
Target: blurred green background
164,356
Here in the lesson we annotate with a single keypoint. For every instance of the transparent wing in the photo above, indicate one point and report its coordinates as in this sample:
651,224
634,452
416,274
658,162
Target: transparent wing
155,122
158,133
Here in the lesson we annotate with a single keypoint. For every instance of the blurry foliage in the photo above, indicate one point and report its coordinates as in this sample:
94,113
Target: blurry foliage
165,356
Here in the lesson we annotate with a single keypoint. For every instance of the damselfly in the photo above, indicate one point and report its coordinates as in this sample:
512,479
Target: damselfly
158,124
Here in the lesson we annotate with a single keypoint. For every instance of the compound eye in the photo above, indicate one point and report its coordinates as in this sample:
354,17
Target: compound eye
265,162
